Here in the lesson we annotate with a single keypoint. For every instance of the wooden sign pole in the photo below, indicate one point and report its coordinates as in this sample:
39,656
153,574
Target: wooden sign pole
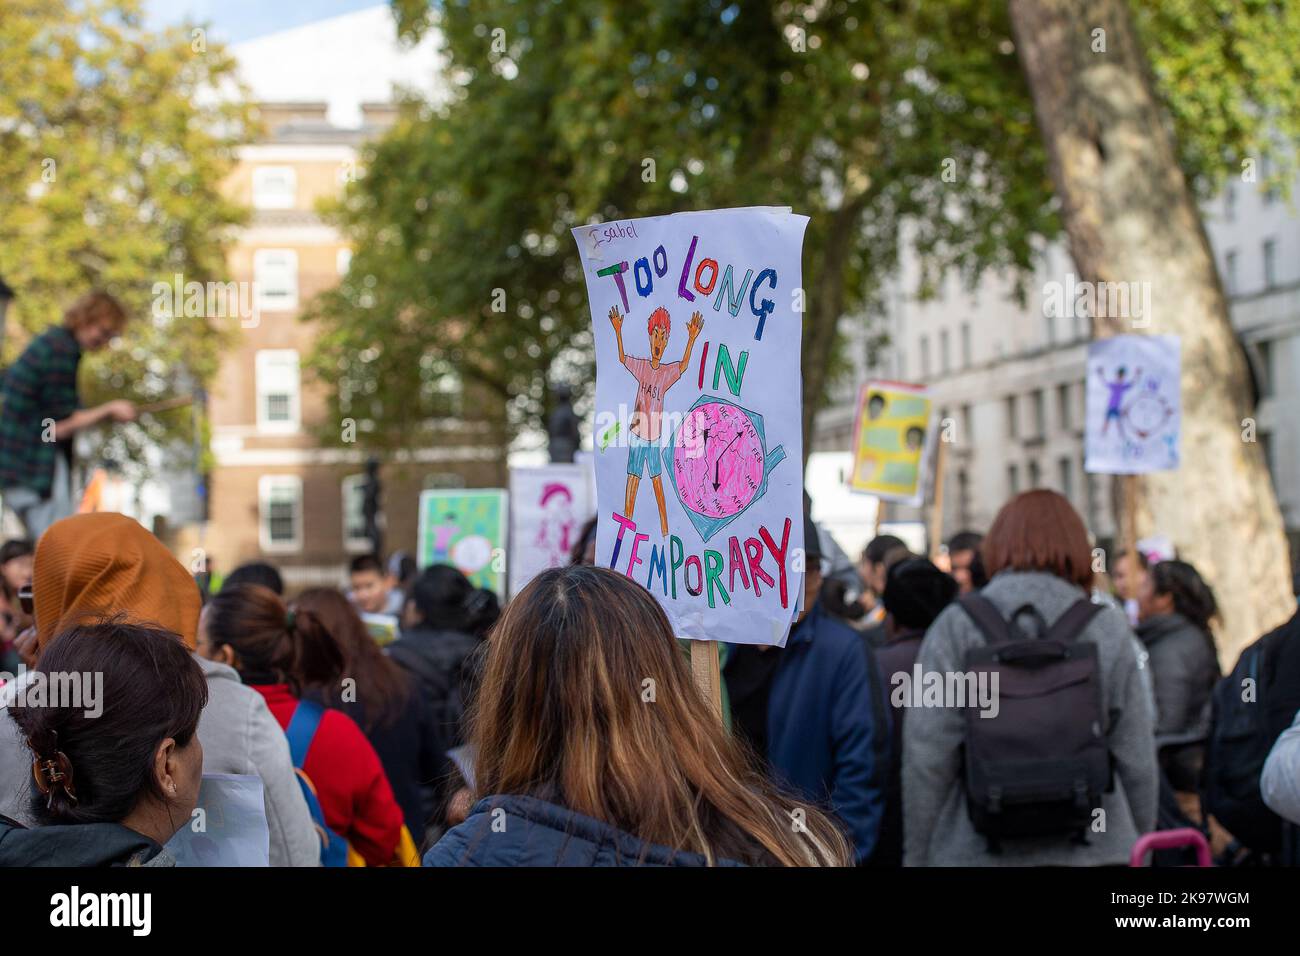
165,405
707,674
1128,531
936,512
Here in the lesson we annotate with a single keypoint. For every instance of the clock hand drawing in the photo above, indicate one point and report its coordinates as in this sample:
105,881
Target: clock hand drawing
718,461
712,495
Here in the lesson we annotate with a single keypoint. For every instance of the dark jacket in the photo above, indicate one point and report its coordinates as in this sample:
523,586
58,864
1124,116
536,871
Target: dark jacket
413,751
442,663
525,831
1184,670
82,845
827,729
895,655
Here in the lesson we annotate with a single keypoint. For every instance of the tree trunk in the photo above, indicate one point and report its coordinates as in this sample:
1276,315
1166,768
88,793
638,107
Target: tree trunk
825,304
1130,216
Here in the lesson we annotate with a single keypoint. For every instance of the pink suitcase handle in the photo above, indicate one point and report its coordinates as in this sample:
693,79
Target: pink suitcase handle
1170,840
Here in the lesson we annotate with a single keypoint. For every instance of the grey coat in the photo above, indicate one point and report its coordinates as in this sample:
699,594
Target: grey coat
937,830
1184,670
1279,784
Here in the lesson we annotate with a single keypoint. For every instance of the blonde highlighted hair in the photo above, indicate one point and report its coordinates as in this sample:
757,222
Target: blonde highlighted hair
586,701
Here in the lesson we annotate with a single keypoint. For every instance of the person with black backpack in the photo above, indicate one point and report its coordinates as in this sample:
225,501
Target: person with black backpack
1033,743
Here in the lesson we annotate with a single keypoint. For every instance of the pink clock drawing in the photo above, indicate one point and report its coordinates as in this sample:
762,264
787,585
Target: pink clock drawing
718,460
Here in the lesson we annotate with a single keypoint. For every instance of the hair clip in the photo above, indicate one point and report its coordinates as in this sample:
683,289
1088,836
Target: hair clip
53,773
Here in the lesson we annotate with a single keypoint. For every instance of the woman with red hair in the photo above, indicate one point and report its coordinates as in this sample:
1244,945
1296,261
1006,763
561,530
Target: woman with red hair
1039,560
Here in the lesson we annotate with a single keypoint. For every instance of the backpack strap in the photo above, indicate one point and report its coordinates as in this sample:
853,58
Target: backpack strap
1073,621
302,730
987,618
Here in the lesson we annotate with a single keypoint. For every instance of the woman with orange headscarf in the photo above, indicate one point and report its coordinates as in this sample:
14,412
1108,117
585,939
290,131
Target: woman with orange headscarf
92,565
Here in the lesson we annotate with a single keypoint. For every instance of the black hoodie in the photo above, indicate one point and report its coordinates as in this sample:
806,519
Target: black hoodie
442,663
82,845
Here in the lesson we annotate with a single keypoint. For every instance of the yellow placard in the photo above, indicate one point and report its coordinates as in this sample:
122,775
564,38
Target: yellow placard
891,439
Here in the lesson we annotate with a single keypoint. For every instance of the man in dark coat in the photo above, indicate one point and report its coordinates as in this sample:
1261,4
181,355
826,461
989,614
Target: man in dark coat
813,709
915,592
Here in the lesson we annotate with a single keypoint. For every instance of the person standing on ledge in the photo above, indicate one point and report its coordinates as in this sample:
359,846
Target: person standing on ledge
41,412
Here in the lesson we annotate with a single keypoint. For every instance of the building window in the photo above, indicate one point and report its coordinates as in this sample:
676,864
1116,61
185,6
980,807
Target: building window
967,426
1266,178
925,357
1264,368
279,500
1230,272
1063,405
945,360
965,345
963,499
343,261
1270,263
354,514
278,388
1230,202
1051,330
275,274
1066,475
1035,475
1040,414
274,187
1013,480
1013,427
1266,446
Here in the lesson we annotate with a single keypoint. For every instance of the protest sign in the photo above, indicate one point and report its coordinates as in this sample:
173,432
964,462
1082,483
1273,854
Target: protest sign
228,826
697,320
893,441
548,507
382,627
1134,404
467,529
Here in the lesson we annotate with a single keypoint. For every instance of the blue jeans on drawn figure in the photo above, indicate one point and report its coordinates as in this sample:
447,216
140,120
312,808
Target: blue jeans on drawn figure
640,454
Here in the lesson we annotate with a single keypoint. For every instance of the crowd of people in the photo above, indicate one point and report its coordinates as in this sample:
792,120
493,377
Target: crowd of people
566,727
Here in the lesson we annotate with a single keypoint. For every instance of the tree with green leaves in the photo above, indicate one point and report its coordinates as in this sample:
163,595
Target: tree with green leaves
866,115
114,144
1231,94
562,114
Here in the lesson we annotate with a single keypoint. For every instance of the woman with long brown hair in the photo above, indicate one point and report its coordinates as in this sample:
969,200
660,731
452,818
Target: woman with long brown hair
279,652
398,722
594,748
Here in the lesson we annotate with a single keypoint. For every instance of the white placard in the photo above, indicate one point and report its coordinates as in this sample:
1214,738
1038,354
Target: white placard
697,435
548,507
1134,406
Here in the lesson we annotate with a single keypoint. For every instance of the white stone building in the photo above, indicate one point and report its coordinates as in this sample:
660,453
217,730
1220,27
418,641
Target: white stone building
1011,376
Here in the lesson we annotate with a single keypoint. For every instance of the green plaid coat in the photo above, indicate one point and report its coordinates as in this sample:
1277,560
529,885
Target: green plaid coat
40,386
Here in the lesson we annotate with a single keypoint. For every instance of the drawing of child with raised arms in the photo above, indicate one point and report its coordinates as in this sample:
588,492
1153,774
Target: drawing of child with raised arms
654,378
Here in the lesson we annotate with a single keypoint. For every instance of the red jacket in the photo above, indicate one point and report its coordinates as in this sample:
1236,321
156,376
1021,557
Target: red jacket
350,783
